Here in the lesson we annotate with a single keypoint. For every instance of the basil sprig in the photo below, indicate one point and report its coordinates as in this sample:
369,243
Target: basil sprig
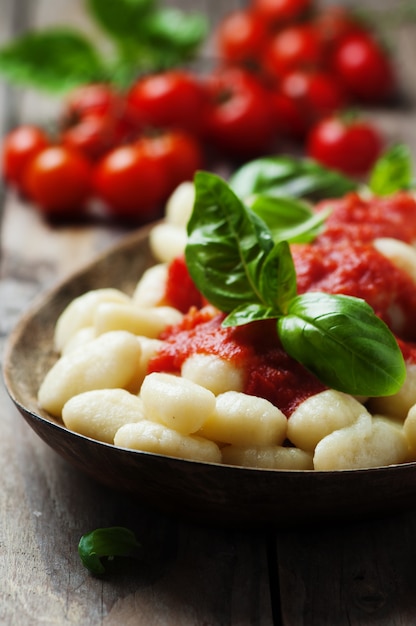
105,543
392,172
239,267
142,36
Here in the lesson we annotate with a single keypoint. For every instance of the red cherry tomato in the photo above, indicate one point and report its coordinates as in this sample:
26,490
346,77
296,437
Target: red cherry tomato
239,120
173,99
20,146
58,181
278,11
92,99
95,135
333,23
304,98
179,154
130,183
351,147
364,68
294,47
240,36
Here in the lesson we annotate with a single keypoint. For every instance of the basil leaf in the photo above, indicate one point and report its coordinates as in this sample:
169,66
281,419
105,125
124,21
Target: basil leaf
392,172
174,33
55,60
121,19
226,246
277,278
289,177
288,219
341,340
247,313
105,542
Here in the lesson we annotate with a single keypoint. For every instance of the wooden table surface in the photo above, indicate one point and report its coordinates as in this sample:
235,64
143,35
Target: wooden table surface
357,574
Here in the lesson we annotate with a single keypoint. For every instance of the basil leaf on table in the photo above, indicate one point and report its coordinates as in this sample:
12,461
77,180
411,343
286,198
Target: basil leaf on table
234,262
285,176
108,543
122,18
342,341
392,172
55,60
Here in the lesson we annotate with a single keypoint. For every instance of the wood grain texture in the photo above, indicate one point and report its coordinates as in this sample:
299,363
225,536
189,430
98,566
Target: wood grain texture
359,574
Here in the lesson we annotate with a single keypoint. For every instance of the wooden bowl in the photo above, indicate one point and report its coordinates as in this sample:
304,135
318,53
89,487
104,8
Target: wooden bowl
204,492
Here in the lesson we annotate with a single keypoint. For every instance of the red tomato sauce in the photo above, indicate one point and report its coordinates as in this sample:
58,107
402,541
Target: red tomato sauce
360,270
269,371
358,219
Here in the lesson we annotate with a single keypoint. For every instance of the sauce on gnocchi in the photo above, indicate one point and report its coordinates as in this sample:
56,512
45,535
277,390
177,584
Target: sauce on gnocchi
196,390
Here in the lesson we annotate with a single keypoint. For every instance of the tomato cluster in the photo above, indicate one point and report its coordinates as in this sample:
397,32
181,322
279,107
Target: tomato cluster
285,69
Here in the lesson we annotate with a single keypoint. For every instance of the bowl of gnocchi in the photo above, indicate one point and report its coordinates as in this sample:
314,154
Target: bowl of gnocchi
103,368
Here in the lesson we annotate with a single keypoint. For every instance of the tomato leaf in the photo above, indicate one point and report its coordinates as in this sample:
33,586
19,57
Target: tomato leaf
105,542
341,340
289,177
55,60
226,245
392,172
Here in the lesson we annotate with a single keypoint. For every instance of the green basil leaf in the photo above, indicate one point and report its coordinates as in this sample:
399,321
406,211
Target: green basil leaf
105,542
226,246
289,177
247,313
121,18
288,219
342,341
55,60
277,279
175,33
392,172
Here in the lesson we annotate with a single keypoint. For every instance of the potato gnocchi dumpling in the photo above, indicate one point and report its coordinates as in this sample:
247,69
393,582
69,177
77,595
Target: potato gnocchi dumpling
245,420
176,402
214,373
268,457
149,436
80,313
99,413
364,444
320,415
399,404
148,321
109,361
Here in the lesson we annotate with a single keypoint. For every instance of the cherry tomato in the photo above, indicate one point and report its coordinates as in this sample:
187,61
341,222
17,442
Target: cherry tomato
179,153
95,135
278,11
172,99
131,183
349,146
304,98
92,99
20,146
240,120
292,48
58,181
364,67
240,36
333,23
